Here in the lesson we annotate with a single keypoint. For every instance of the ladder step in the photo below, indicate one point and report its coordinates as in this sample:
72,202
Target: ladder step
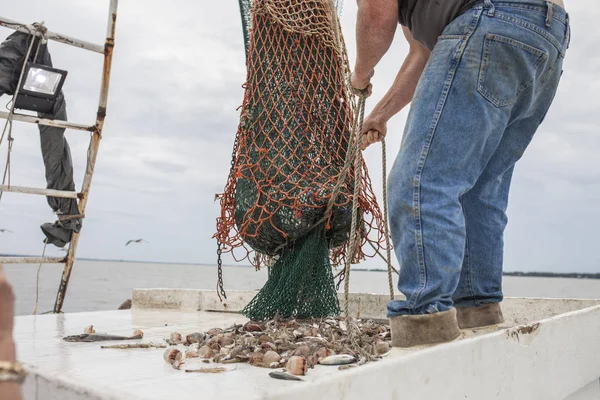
27,28
32,260
43,192
48,122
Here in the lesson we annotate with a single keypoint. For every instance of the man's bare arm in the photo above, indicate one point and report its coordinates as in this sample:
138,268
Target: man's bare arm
399,95
376,24
403,88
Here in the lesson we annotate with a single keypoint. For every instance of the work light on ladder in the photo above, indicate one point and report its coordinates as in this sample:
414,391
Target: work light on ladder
40,87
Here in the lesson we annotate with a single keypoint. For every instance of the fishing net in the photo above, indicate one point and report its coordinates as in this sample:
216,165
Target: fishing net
245,6
290,149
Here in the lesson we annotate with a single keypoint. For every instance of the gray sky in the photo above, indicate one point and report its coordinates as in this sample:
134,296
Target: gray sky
176,84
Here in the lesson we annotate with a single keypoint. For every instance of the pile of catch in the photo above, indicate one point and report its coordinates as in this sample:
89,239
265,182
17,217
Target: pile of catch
295,345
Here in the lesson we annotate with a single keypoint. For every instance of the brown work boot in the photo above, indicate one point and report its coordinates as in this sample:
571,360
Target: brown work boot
476,317
415,330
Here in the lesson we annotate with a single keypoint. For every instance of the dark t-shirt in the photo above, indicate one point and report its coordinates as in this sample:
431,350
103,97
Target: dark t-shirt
426,19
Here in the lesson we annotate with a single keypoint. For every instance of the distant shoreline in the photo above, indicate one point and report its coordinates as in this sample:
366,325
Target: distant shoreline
574,275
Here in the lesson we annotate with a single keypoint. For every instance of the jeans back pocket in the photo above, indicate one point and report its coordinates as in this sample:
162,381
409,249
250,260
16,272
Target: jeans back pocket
508,68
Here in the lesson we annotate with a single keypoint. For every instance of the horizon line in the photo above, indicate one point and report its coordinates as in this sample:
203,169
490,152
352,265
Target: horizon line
587,275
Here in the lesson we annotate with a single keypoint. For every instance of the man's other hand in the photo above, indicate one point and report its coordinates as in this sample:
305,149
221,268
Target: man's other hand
361,83
374,129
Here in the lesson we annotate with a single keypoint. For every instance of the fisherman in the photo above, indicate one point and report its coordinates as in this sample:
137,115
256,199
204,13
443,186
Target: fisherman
481,75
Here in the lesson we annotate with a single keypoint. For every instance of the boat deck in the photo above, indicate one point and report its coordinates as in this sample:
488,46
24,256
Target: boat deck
548,348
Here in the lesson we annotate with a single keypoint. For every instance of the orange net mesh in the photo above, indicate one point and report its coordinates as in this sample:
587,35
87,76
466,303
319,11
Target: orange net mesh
292,140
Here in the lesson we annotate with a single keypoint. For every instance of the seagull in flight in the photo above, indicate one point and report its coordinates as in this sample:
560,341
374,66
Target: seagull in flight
5,230
136,241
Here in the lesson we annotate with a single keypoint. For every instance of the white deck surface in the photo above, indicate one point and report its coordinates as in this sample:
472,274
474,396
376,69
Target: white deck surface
551,360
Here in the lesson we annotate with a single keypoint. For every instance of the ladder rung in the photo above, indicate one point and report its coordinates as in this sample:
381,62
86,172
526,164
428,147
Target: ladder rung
32,260
43,192
47,122
27,28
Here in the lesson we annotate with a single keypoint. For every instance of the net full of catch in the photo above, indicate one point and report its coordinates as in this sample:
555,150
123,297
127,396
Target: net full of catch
284,200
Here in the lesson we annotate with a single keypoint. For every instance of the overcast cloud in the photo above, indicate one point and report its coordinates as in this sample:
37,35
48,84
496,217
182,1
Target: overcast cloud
176,83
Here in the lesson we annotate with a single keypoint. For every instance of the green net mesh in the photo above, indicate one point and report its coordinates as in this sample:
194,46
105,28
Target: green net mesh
245,6
300,283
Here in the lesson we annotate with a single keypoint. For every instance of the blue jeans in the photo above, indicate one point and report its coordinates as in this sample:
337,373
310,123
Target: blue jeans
486,88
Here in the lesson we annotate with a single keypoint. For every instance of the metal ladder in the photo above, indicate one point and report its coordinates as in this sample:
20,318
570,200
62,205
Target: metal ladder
96,135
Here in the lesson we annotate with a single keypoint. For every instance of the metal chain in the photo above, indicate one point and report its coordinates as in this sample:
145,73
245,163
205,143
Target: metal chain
339,282
221,289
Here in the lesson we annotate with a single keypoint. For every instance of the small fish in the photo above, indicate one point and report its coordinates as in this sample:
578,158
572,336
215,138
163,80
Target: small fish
214,370
98,337
231,361
284,376
339,359
135,346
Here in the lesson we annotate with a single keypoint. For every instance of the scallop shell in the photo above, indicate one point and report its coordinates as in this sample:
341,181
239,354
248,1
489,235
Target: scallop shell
213,342
138,333
196,337
297,365
214,331
226,341
256,358
205,352
89,329
269,346
303,351
175,337
253,327
382,347
177,363
191,353
324,352
312,360
271,357
236,351
171,355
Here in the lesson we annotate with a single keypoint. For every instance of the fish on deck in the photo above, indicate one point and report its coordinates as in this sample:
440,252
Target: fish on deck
100,337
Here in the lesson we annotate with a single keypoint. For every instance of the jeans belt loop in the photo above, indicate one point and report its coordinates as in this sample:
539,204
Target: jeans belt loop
568,38
490,6
549,14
